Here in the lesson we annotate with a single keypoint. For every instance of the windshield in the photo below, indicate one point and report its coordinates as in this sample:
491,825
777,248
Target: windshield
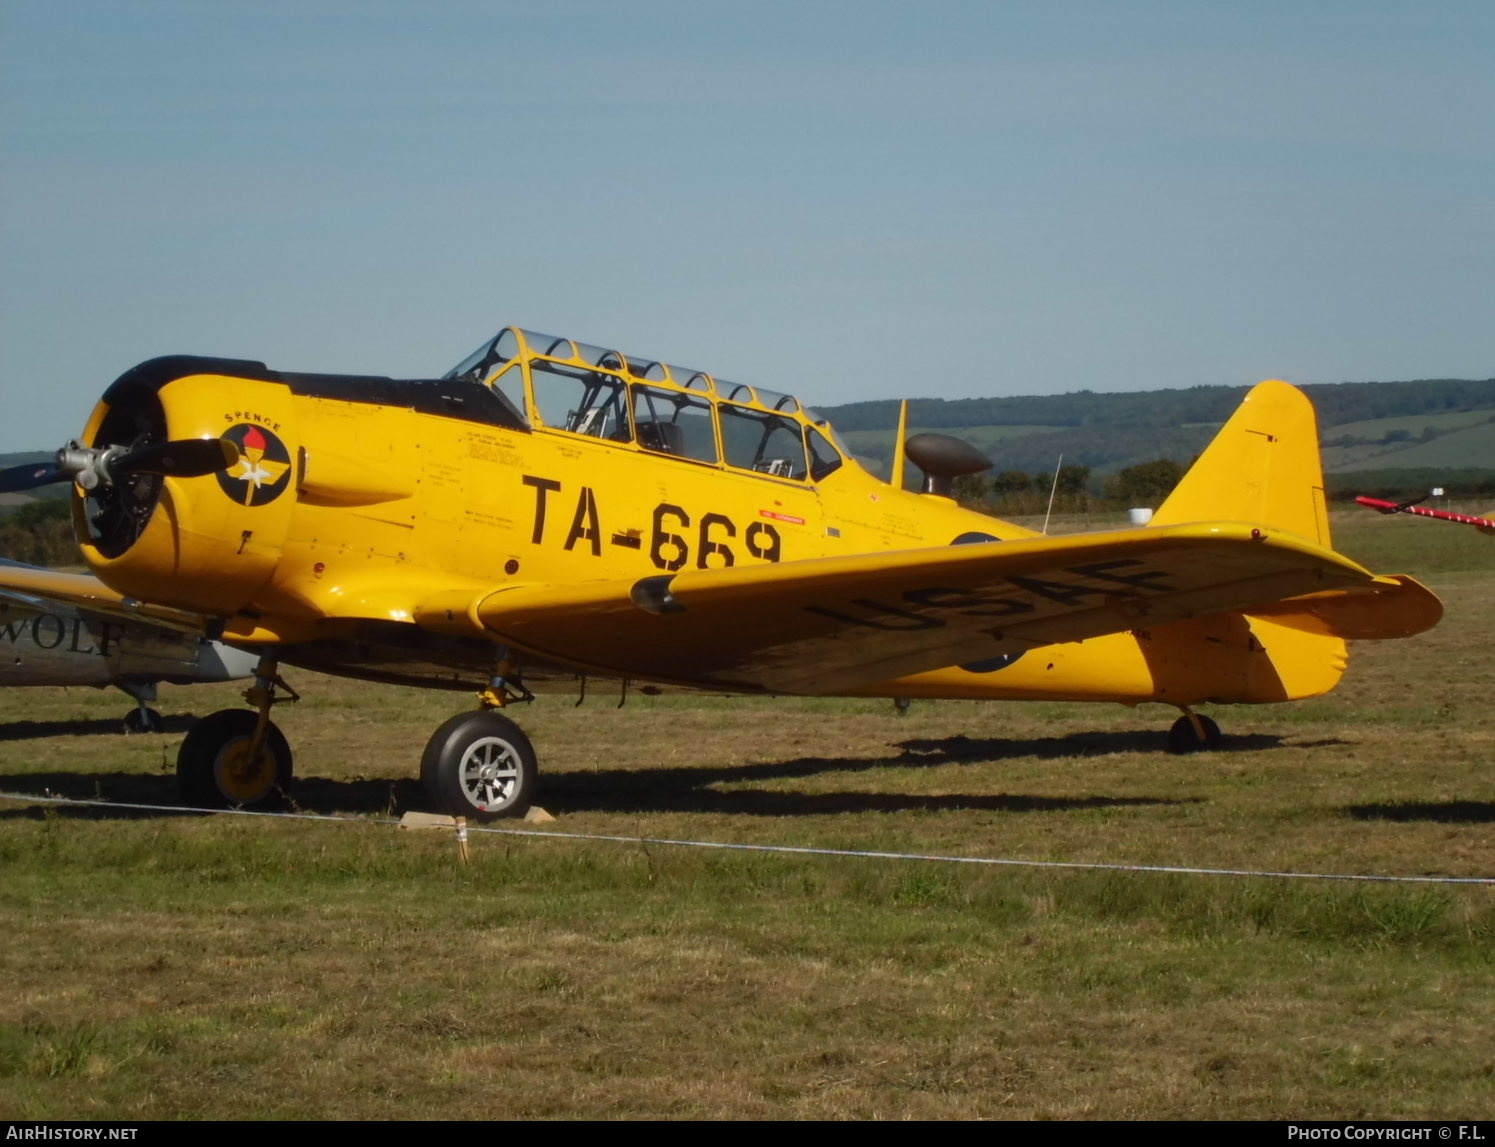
482,362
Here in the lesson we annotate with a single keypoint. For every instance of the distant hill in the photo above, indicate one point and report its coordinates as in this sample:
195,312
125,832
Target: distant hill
1365,426
26,457
1393,434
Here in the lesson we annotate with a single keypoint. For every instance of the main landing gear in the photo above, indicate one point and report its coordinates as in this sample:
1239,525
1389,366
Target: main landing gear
1193,733
481,765
477,765
237,758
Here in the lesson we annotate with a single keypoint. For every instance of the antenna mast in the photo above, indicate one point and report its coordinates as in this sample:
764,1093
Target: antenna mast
1054,489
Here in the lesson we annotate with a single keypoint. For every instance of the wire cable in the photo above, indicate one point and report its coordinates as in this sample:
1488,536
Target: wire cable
784,849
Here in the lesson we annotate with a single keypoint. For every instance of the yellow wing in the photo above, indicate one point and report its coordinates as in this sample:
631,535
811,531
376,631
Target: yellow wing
833,624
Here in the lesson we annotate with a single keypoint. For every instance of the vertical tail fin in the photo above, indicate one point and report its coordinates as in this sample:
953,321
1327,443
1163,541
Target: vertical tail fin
1263,467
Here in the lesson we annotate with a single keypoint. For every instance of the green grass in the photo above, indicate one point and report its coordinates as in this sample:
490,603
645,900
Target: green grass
1470,447
280,982
182,966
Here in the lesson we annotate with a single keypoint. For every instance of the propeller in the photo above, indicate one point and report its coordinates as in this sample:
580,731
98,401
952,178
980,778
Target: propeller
89,466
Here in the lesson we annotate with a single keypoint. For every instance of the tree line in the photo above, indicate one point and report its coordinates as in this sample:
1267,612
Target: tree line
40,532
1074,489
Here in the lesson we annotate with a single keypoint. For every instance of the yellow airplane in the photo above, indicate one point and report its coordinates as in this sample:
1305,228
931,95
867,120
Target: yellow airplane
549,510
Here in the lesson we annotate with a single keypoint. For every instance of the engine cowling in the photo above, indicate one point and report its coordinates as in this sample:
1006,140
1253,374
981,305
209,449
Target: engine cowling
206,543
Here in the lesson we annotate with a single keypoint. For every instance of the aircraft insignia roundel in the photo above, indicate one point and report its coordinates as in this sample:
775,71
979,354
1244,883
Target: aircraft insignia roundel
263,470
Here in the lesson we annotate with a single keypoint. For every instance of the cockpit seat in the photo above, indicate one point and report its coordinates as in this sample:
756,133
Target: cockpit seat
661,437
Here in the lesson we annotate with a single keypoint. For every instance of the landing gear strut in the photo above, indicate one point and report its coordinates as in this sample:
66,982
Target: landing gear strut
481,765
238,758
1193,733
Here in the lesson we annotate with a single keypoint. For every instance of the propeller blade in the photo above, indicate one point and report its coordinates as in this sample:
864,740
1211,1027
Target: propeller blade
29,477
185,458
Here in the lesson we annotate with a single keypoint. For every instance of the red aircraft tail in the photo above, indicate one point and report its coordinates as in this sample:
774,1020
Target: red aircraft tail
1483,525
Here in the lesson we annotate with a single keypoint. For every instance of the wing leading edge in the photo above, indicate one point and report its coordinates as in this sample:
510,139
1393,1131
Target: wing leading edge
833,624
87,592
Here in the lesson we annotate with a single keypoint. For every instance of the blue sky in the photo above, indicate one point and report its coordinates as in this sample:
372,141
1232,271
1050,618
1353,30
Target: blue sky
841,200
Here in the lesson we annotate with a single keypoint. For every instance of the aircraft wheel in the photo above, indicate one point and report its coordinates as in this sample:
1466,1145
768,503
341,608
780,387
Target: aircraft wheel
143,721
1183,738
480,765
214,769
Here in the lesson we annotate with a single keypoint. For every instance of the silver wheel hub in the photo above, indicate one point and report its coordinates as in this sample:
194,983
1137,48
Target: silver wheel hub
490,773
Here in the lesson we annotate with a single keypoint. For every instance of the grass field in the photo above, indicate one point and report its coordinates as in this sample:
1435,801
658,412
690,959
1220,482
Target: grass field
160,965
1413,424
1469,447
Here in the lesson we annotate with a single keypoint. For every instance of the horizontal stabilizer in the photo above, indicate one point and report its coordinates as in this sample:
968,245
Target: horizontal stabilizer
1393,606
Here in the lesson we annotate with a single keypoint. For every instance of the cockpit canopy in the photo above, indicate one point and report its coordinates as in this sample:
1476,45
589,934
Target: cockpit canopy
558,384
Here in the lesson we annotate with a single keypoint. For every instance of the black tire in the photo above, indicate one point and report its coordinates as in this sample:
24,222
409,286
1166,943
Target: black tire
148,721
1183,738
481,766
213,771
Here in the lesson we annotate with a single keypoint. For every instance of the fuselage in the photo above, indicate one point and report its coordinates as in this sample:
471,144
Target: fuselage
542,462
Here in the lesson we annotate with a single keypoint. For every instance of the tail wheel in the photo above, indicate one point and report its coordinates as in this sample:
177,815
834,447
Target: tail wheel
143,721
480,765
1185,738
214,767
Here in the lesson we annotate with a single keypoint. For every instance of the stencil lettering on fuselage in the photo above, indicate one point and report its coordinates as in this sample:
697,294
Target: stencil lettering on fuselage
677,538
